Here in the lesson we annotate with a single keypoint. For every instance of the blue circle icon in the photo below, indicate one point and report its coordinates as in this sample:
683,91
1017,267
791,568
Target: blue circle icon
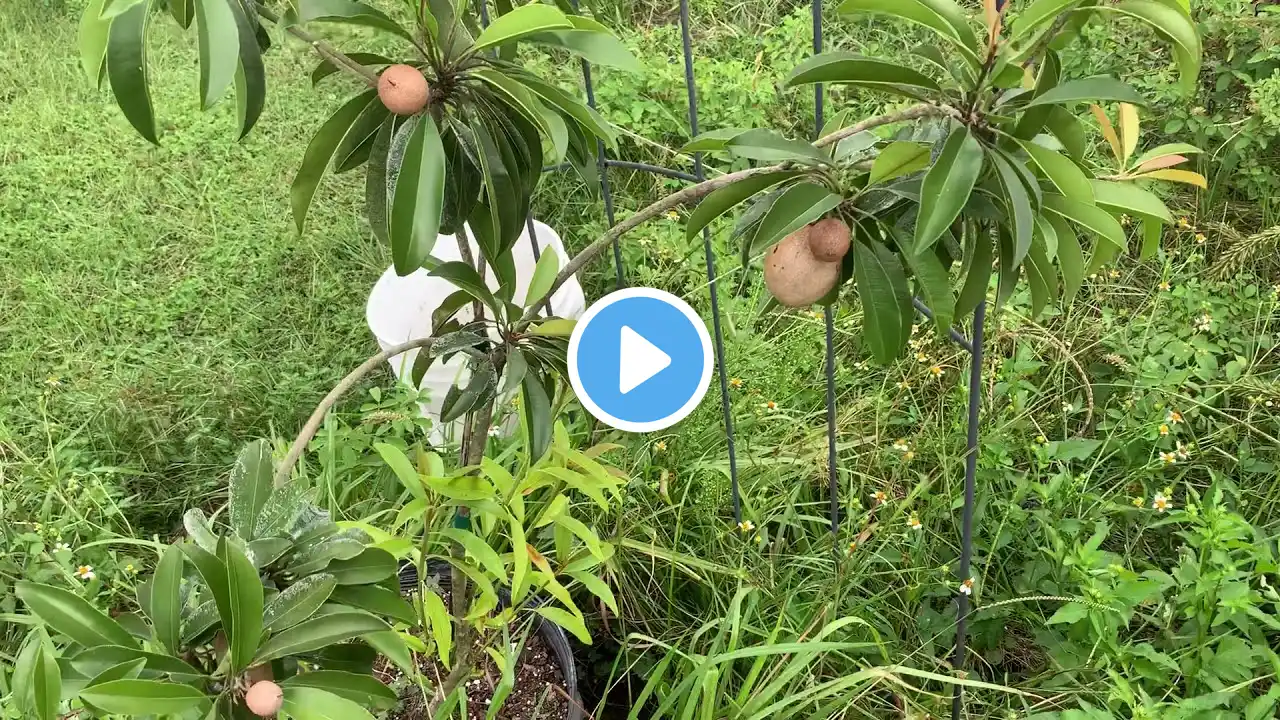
640,359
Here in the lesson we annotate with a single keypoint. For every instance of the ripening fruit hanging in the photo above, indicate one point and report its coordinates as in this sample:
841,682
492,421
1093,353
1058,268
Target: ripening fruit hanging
829,239
403,89
794,276
264,699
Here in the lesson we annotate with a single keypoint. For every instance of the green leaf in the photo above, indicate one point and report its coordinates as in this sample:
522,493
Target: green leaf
943,17
441,624
1117,197
796,206
395,458
197,527
1165,151
245,592
977,279
1041,277
1070,256
351,13
850,69
567,620
46,681
219,48
127,69
362,689
544,274
391,645
583,533
480,550
92,40
251,80
570,106
898,159
1151,231
166,603
318,632
1021,220
1036,15
934,283
377,600
309,703
327,68
1033,119
597,48
946,187
250,486
418,198
1090,217
30,654
370,566
72,615
1064,174
1069,131
555,327
1091,89
520,23
726,198
1173,25
282,509
596,587
127,670
712,141
143,697
769,146
465,277
320,151
297,602
886,300
535,416
96,660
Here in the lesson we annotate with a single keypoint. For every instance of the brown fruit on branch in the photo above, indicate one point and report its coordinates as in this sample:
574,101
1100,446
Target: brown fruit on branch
264,699
403,89
829,239
794,276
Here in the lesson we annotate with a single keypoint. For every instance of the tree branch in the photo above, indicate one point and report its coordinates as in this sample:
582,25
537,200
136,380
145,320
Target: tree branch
696,192
324,49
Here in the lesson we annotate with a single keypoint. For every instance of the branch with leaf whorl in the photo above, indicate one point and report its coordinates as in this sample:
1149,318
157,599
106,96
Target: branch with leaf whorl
694,193
340,60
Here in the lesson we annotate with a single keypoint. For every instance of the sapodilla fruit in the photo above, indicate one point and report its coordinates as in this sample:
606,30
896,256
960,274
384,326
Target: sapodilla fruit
264,699
794,276
403,89
829,239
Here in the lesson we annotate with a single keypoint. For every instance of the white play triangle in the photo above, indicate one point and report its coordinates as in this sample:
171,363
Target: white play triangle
639,361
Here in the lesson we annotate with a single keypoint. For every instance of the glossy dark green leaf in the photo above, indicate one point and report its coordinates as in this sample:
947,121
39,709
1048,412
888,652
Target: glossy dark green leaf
219,40
770,146
166,603
1062,172
934,283
712,140
370,566
1037,14
418,198
502,215
594,47
95,660
92,40
319,632
898,159
851,69
886,299
46,681
144,697
349,12
183,12
214,574
947,186
479,388
1018,204
1070,256
126,670
521,23
1042,278
362,689
570,106
535,415
1175,25
1033,118
298,602
465,277
1091,89
127,69
726,198
977,280
1090,217
1151,230
1122,197
463,182
796,206
72,615
375,180
245,592
943,17
327,68
320,151
1069,131
250,486
377,600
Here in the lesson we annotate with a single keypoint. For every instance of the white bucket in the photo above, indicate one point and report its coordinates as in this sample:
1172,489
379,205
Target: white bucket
400,308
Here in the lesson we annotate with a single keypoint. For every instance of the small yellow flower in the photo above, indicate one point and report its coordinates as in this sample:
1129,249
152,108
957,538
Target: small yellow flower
1161,503
660,446
85,572
746,526
770,406
1164,430
1165,286
129,568
1042,439
1168,458
816,314
1114,274
904,385
1173,417
53,381
1139,502
921,357
735,383
673,215
1200,238
853,546
1184,223
909,455
966,587
914,522
936,370
901,445
879,496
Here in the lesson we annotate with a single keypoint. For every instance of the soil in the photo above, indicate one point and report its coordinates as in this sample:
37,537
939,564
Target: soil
538,693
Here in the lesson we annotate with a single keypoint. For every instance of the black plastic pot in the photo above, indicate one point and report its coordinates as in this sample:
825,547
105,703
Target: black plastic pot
553,635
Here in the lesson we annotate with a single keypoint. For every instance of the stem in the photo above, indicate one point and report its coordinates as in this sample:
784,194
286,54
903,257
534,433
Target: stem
696,192
324,49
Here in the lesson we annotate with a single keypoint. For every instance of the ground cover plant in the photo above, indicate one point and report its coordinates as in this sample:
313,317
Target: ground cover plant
1127,515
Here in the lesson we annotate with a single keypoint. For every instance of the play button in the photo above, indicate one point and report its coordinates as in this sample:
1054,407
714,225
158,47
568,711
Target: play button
640,359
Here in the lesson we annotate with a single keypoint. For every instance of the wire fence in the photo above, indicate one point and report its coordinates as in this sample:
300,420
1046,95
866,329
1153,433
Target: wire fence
972,344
